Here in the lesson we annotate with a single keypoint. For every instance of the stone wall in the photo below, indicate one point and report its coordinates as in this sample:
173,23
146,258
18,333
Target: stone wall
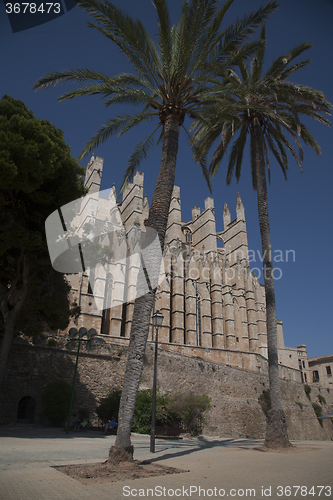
234,392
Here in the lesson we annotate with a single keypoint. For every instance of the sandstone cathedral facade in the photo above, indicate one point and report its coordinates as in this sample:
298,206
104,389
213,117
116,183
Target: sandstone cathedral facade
212,304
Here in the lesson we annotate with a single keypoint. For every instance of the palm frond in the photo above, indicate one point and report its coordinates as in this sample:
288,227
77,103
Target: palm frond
309,139
209,37
276,154
135,121
177,38
119,124
258,60
282,141
74,75
234,36
140,152
220,151
244,72
92,89
161,136
201,159
164,32
236,154
294,67
281,62
128,34
130,96
277,135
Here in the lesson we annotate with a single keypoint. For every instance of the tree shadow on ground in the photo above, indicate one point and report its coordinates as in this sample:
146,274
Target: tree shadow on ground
201,443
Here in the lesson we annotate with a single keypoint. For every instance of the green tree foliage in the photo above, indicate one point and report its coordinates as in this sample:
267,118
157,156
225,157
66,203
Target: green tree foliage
173,409
109,407
166,414
56,399
141,422
37,176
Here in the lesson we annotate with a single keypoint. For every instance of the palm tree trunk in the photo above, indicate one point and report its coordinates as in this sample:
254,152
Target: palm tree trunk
276,427
157,220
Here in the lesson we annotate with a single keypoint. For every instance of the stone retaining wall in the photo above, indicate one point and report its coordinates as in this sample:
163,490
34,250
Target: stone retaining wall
234,392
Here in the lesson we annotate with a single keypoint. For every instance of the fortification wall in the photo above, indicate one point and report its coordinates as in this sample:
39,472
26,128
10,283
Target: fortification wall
234,392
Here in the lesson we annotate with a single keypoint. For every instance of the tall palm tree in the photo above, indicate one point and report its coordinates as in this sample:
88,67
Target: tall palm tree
169,79
265,107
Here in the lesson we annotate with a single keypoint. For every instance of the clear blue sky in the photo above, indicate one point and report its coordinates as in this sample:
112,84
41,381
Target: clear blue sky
300,209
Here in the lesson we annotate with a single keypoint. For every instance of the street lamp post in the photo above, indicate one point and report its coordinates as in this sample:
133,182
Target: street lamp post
77,336
157,321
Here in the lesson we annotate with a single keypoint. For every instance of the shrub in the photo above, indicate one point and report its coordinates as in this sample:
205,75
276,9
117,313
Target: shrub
109,406
318,411
299,404
307,390
165,413
172,410
265,400
189,408
321,399
141,422
56,399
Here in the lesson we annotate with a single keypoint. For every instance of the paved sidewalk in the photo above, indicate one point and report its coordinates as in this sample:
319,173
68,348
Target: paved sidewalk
218,467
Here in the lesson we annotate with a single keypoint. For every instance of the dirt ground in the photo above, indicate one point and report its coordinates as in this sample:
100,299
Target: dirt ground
292,449
108,473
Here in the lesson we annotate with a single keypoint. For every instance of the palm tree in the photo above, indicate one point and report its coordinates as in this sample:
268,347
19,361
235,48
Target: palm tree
266,108
169,79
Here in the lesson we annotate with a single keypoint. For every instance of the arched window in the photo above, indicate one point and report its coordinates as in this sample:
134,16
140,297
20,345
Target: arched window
188,234
26,410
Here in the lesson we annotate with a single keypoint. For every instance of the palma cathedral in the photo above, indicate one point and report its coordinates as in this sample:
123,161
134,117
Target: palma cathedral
213,306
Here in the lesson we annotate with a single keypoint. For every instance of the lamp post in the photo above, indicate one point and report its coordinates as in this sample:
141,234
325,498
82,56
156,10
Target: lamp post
77,336
157,321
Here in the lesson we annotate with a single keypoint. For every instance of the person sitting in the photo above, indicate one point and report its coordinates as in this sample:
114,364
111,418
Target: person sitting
110,425
84,424
75,423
